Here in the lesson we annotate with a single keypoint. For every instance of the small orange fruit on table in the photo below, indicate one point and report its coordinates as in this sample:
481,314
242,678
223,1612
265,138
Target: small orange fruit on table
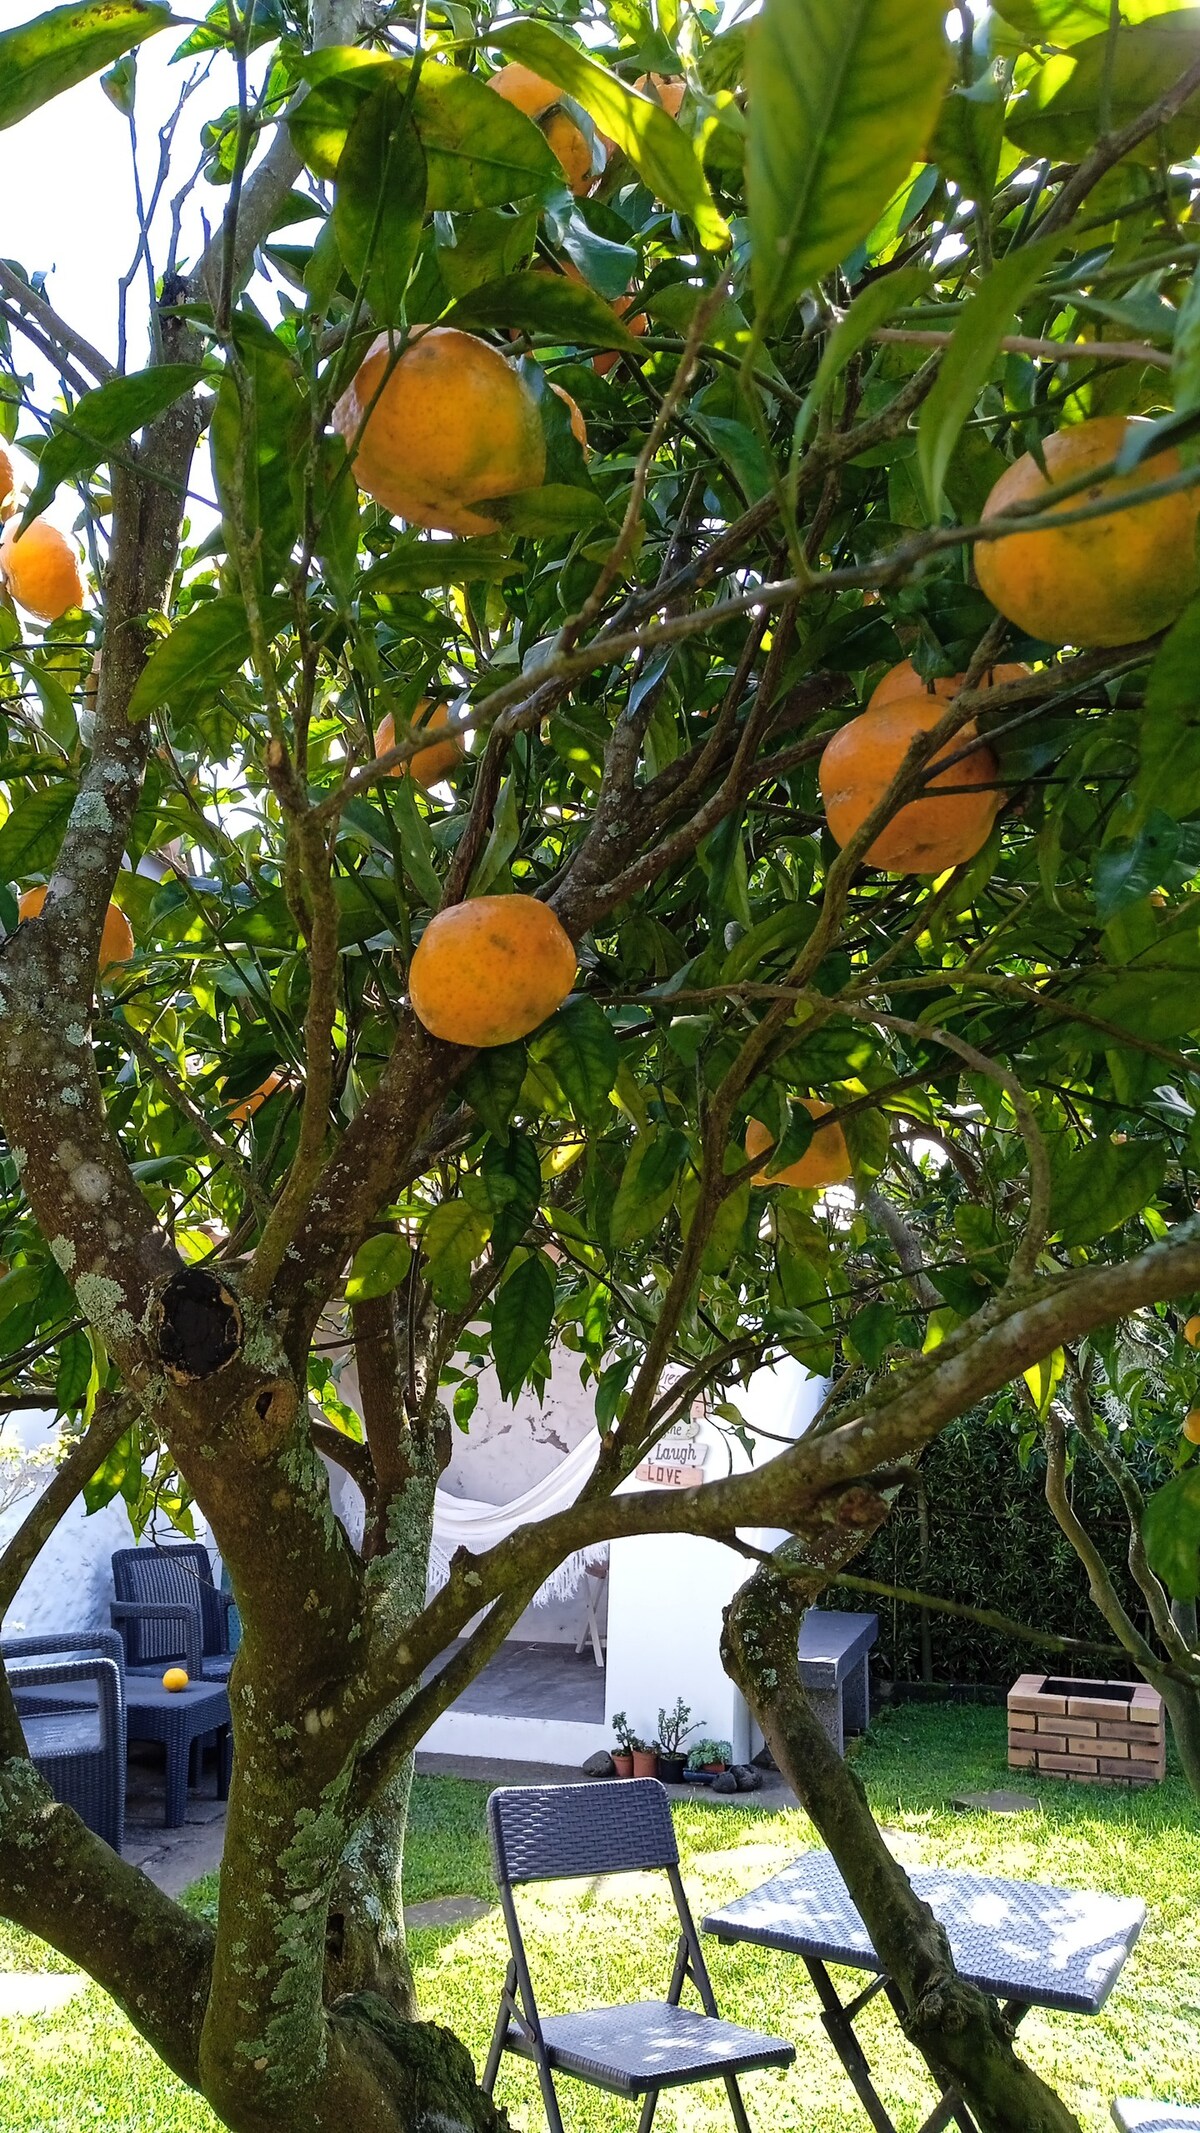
488,971
904,680
1107,580
927,835
176,1678
1191,1426
532,94
825,1161
41,570
429,765
116,938
1191,1331
451,425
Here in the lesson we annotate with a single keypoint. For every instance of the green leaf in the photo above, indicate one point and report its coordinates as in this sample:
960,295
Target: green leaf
1185,350
492,1085
842,98
74,1372
1068,22
1131,868
659,149
424,564
202,653
416,843
647,1189
380,1265
970,136
542,303
581,1048
479,150
30,837
102,419
40,59
452,1240
1171,1532
556,508
260,445
968,361
521,1319
1043,1378
512,1178
1168,774
873,307
873,1330
488,246
379,206
1098,1187
466,1400
109,1479
1072,100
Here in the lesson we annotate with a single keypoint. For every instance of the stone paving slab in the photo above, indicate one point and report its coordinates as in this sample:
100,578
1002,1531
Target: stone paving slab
447,1911
23,1993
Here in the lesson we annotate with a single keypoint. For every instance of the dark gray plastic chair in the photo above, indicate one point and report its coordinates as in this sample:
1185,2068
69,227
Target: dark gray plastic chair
564,1832
169,1611
69,1691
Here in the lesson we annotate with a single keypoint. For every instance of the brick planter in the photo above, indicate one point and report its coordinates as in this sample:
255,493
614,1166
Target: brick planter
1097,1732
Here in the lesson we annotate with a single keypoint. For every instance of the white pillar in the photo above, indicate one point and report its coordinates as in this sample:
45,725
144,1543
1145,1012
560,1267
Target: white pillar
667,1591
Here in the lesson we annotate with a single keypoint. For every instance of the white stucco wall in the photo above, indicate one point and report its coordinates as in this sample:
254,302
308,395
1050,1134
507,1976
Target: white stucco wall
70,1585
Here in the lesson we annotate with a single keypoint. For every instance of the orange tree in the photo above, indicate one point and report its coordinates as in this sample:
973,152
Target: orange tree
856,321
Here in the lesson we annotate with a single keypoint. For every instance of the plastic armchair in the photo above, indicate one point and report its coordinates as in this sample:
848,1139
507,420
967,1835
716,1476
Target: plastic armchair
159,1586
69,1692
132,1618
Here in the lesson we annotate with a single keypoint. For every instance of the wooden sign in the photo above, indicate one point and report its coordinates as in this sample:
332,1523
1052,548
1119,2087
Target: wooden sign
677,1461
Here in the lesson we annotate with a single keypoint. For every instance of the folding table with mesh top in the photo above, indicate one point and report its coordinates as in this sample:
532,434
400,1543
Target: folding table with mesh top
1029,1945
561,1832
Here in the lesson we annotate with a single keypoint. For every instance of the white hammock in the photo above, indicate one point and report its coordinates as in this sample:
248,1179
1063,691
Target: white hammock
463,1522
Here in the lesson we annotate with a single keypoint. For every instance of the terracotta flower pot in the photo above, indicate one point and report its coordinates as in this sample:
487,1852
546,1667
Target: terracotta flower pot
623,1765
645,1763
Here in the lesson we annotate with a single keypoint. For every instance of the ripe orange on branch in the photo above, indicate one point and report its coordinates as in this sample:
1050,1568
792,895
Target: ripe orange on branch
1107,580
1191,1426
925,836
1191,1331
904,680
429,765
41,570
668,90
6,478
530,93
488,971
825,1161
449,426
116,939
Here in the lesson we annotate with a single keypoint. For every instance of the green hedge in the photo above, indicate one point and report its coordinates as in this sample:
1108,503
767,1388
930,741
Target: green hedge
993,1543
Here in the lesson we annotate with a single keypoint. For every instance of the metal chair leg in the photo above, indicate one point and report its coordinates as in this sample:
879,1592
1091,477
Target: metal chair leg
496,2048
737,2107
649,2107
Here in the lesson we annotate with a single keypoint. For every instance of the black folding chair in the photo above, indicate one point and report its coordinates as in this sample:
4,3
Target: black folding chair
563,1832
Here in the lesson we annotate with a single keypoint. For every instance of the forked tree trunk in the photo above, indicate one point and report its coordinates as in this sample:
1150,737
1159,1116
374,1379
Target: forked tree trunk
959,2031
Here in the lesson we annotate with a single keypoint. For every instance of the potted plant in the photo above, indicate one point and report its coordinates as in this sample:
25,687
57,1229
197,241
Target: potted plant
707,1758
625,1738
645,1759
673,1729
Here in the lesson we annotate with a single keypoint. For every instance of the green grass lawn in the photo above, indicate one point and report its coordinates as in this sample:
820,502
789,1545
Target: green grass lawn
85,2066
